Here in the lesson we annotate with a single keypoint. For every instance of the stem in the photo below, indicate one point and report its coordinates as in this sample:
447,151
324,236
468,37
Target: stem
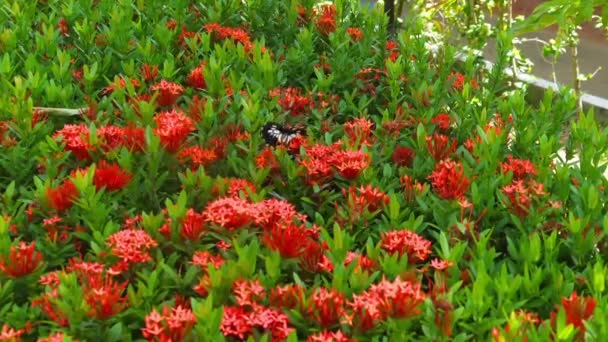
389,10
575,75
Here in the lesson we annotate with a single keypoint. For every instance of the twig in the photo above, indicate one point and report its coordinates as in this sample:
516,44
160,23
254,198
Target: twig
61,111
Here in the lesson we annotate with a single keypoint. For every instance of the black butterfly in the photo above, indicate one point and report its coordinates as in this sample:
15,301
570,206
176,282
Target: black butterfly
275,134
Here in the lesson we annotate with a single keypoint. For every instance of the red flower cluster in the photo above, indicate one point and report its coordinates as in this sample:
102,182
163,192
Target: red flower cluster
230,213
237,35
521,168
407,242
8,334
443,121
56,337
448,180
322,162
439,146
62,197
325,307
114,137
204,259
110,176
361,202
21,260
196,78
359,132
393,48
403,156
371,79
120,84
197,157
291,100
326,18
168,92
173,324
76,140
289,239
525,320
354,33
411,187
578,309
104,297
397,299
458,80
131,245
330,336
520,194
241,321
172,128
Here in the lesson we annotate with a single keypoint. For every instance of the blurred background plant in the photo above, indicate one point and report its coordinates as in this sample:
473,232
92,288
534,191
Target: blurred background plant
475,23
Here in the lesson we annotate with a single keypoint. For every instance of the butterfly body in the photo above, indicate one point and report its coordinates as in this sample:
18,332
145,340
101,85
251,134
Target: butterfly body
275,134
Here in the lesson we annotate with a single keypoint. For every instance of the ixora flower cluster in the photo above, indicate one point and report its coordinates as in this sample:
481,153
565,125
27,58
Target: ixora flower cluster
417,201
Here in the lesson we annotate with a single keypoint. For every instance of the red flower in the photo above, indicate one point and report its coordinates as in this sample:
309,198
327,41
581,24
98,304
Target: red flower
205,258
236,186
448,179
8,334
407,242
62,197
517,193
273,212
290,240
291,100
172,128
329,336
131,245
271,320
354,33
361,201
168,92
110,176
134,138
235,323
64,28
104,296
443,121
397,299
439,146
403,156
197,156
149,72
326,307
313,256
351,163
578,309
192,225
520,167
20,261
120,84
441,265
56,337
231,213
76,139
362,262
174,324
196,78
458,80
286,297
359,132
326,21
393,48
248,292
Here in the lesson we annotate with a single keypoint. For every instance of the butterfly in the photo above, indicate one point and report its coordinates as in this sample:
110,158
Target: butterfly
275,134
